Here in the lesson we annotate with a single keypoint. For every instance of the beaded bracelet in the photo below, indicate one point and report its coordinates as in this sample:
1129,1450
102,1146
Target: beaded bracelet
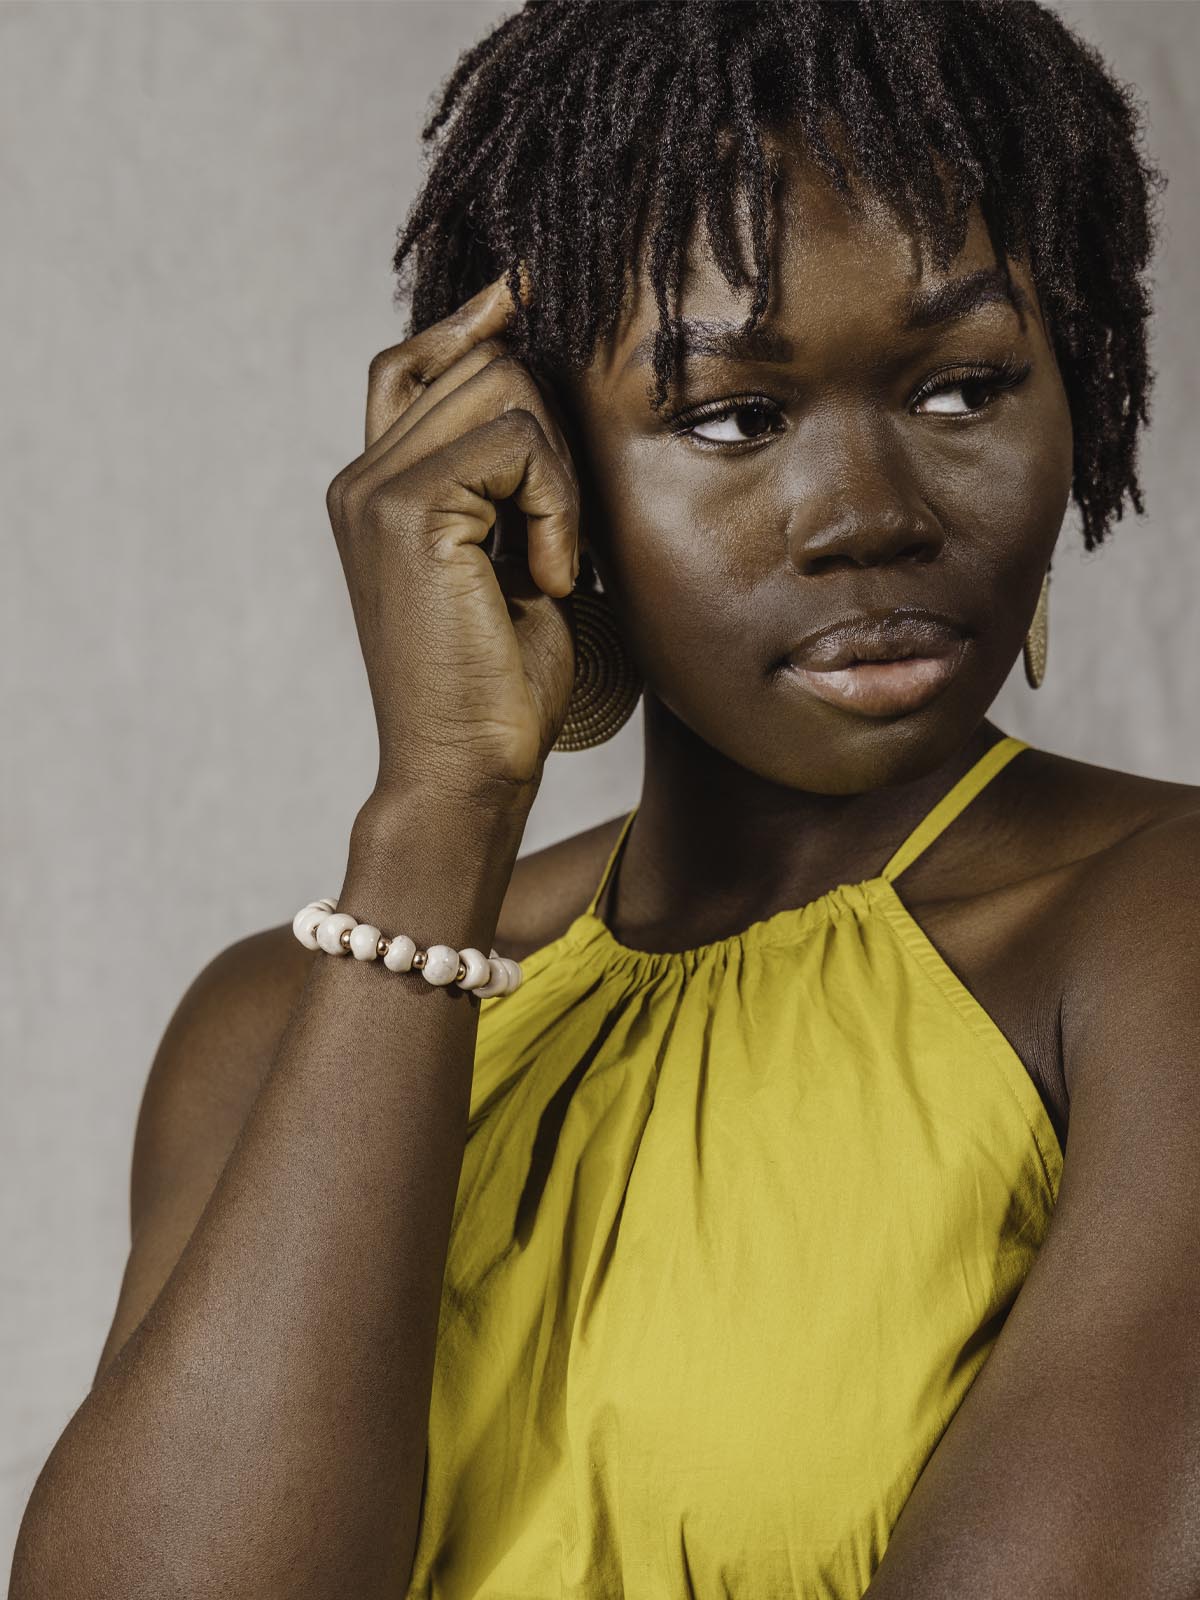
321,926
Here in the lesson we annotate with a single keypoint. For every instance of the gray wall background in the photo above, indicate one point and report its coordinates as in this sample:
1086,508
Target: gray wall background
199,204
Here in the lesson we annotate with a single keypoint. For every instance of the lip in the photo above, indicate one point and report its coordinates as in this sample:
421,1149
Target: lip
880,664
893,635
883,688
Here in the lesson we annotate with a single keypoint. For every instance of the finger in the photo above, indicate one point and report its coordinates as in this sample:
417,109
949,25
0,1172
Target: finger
499,388
486,382
456,490
399,374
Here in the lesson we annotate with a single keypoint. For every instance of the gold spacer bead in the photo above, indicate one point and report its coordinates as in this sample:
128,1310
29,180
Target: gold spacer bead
461,973
383,946
418,960
344,938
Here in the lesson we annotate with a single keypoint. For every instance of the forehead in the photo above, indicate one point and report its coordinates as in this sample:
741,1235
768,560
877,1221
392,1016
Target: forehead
838,264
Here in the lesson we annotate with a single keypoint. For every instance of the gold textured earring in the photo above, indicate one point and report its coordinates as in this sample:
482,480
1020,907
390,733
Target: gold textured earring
607,683
1037,639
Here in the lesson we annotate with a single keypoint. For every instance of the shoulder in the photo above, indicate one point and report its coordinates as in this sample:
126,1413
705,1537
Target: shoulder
1129,929
552,886
1054,836
215,1051
1061,809
248,988
220,1040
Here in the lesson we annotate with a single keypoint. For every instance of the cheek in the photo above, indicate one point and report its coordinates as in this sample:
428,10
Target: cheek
681,559
1001,499
683,609
659,530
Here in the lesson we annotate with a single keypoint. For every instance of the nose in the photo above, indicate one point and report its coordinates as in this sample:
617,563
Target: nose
860,512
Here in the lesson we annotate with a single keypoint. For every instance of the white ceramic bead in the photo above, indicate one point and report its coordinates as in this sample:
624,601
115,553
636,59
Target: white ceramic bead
478,968
499,981
441,964
364,942
400,954
319,927
304,924
330,930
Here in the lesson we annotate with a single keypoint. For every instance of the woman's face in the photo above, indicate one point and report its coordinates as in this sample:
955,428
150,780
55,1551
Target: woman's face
854,464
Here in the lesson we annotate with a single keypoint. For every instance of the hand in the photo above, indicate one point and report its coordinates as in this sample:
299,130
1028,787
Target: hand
470,660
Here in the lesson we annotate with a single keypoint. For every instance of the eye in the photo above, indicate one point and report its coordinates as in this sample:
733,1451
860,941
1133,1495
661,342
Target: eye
978,385
732,423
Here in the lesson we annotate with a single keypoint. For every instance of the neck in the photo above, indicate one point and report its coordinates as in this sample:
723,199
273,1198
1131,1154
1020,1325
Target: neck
715,848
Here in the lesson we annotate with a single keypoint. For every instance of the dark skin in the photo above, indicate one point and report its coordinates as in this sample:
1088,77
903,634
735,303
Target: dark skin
1071,1468
1067,898
717,556
720,555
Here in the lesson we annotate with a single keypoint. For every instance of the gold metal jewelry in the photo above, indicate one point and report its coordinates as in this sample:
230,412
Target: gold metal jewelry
1037,639
607,683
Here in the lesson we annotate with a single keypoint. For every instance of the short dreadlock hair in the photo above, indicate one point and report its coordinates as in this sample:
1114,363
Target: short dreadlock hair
574,125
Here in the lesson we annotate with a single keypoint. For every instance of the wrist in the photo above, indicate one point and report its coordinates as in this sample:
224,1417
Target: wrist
435,870
486,824
475,793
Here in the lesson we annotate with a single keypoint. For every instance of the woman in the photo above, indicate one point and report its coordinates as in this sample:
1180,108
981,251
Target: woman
738,1244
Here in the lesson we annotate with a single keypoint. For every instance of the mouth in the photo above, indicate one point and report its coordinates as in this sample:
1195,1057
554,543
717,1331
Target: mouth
883,688
883,665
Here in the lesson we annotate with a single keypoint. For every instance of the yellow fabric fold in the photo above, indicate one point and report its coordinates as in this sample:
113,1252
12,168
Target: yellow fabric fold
736,1230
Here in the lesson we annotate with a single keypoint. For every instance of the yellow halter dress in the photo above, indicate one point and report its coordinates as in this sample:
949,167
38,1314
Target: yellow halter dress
736,1229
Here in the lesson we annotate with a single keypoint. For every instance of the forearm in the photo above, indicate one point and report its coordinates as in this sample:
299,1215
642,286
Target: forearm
263,1430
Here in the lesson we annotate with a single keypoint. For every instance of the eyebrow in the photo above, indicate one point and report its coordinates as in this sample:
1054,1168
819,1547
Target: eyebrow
946,302
700,338
959,297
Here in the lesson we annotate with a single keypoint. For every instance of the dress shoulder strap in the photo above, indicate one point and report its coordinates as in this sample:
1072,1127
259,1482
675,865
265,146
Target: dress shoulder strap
953,802
610,864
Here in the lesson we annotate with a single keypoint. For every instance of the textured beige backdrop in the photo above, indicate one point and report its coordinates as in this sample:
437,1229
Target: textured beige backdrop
199,204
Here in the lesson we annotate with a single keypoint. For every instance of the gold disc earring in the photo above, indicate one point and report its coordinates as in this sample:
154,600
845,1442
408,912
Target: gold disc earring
607,683
1038,637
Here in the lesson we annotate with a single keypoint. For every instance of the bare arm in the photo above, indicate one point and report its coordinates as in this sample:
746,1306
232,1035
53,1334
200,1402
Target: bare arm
210,1064
263,1429
1071,1471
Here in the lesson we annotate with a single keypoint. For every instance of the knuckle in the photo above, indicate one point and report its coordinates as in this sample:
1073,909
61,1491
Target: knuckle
392,511
377,510
383,362
379,369
495,350
523,423
335,496
394,375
